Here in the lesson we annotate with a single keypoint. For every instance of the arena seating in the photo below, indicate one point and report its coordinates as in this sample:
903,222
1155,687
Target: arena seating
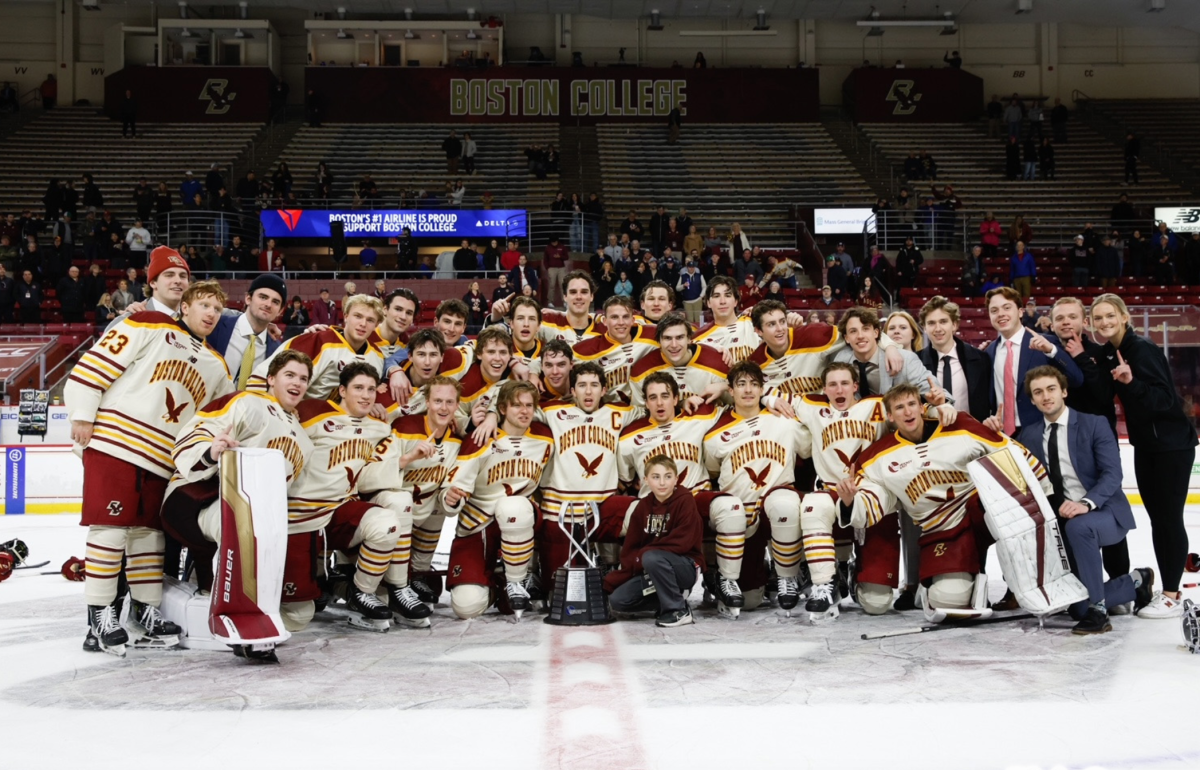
725,173
66,142
409,156
1090,173
1171,123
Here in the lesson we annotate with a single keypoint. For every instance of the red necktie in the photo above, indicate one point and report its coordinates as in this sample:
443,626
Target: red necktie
1010,392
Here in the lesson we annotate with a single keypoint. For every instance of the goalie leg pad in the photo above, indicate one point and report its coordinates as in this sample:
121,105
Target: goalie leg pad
1029,545
251,548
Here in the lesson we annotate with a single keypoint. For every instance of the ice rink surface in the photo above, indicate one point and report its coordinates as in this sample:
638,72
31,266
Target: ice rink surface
765,691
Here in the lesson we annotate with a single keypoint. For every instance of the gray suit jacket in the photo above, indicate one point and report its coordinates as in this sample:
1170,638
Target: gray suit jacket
1095,457
913,373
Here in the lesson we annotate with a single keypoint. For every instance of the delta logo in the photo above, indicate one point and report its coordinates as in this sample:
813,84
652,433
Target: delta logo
290,217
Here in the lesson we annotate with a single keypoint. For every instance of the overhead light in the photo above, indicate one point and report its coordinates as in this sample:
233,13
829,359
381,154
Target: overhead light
1024,6
1156,6
341,13
408,13
471,14
655,21
875,32
951,30
90,5
344,35
244,9
883,23
183,10
241,35
408,35
760,17
186,33
471,35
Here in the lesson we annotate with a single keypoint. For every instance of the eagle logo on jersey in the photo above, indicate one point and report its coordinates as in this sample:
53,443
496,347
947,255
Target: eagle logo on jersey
352,477
848,461
173,409
418,496
949,496
760,478
589,466
511,491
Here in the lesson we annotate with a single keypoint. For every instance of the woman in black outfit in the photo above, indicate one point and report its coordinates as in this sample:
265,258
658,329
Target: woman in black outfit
1164,442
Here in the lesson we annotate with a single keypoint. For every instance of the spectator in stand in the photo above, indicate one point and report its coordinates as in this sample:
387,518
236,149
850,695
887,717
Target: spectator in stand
70,199
189,188
1058,121
784,270
1080,260
972,274
466,261
143,199
953,60
749,293
989,234
381,290
868,295
659,222
406,251
1164,261
1012,158
469,148
162,199
1022,270
739,242
93,199
995,111
1029,315
367,257
238,256
613,249
1172,240
775,293
827,299
555,259
836,278
674,122
928,165
669,267
1118,243
1012,118
197,265
693,241
880,271
217,259
523,275
7,295
9,255
1091,239
1035,121
908,264
674,237
912,167
322,181
747,266
1019,231
1189,261
491,257
456,193
136,286
94,284
56,260
271,260
714,242
213,181
246,190
692,288
70,295
1030,154
902,329
29,298
1123,216
1133,148
296,316
606,282
137,238
510,258
104,311
632,227
324,310
503,290
624,285
1108,263
453,148
1046,158
477,308
226,214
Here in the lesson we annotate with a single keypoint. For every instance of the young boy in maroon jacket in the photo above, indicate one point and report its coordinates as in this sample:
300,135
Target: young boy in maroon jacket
661,552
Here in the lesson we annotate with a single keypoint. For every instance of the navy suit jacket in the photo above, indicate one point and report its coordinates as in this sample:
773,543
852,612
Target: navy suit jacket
1031,359
1095,457
219,339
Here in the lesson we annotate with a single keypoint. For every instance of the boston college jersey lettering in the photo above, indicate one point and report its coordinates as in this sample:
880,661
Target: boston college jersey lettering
839,437
584,465
755,454
506,466
680,439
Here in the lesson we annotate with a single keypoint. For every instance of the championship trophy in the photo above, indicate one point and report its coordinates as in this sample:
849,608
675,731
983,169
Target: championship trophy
578,597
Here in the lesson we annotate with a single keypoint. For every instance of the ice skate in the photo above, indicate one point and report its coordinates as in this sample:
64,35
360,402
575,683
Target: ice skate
106,627
257,653
518,598
407,607
533,586
822,604
367,612
151,631
788,595
726,593
428,587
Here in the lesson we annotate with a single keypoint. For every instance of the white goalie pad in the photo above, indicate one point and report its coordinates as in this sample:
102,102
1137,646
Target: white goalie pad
1028,542
248,574
184,605
978,610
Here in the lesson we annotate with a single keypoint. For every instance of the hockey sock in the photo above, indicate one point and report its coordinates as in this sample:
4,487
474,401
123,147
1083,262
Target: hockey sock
105,552
144,564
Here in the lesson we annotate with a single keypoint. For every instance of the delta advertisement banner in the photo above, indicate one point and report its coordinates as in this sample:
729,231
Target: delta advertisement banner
566,96
428,223
890,95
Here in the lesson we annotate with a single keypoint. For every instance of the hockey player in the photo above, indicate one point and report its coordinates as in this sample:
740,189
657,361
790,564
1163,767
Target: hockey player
730,331
525,318
699,370
400,308
428,448
623,345
490,489
494,351
323,496
657,299
331,350
425,357
557,359
583,471
840,427
127,399
573,326
755,452
922,468
792,359
681,438
191,510
167,276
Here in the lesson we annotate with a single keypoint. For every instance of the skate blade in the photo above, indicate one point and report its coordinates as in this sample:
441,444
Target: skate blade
378,626
821,618
156,642
116,649
255,656
410,622
515,617
728,613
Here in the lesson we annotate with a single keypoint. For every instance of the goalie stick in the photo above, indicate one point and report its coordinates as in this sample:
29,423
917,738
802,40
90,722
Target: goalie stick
947,626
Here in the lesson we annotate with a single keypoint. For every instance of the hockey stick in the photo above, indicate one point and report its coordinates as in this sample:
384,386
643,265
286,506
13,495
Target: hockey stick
27,565
946,626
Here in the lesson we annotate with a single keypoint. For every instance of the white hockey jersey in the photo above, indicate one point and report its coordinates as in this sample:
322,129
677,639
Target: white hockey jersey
555,326
681,439
754,455
706,367
255,420
838,438
616,358
330,352
343,446
584,465
505,466
798,370
929,480
422,478
140,384
740,337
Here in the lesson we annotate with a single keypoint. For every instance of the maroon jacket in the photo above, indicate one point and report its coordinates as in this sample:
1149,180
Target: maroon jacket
556,256
683,535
